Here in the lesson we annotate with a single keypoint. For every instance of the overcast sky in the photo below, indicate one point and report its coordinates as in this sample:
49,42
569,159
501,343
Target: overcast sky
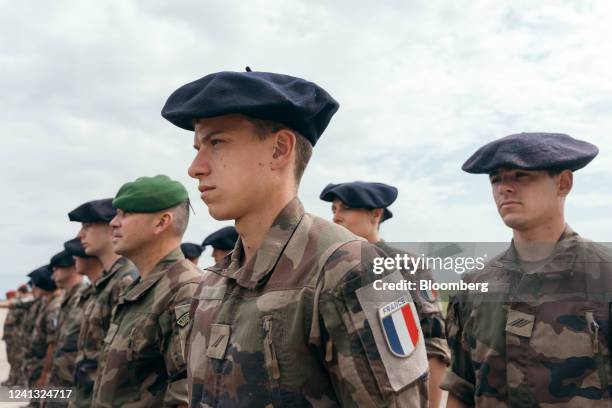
421,85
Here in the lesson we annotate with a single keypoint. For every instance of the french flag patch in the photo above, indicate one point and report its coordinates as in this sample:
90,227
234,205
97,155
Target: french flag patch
400,325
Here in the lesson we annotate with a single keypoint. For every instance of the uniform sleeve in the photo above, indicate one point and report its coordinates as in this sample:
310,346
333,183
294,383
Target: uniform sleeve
459,380
52,323
432,322
363,370
178,324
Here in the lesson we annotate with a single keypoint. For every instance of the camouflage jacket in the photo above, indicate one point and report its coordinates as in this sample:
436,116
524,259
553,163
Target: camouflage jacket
143,364
297,325
97,303
12,321
429,310
69,323
25,334
539,337
43,334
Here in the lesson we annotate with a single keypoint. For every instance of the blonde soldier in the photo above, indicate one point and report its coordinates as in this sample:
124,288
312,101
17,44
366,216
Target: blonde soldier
71,282
142,362
110,274
541,336
291,317
361,207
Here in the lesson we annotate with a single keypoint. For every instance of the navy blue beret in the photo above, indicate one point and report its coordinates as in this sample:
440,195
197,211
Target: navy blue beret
75,248
532,151
41,277
94,211
191,251
359,194
223,239
299,104
61,260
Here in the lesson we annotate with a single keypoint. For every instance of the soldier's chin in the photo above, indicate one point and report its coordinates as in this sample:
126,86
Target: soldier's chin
219,212
514,221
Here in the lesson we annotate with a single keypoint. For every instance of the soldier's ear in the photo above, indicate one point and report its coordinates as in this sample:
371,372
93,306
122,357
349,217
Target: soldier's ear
377,215
164,221
565,183
283,147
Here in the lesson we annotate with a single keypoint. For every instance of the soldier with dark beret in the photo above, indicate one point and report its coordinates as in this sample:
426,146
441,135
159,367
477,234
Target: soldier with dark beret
62,365
192,251
291,317
361,207
542,336
26,306
37,360
142,362
109,273
222,242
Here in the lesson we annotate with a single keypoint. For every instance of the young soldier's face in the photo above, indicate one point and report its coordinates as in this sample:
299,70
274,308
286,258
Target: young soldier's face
85,265
526,198
95,237
62,276
219,254
359,221
232,166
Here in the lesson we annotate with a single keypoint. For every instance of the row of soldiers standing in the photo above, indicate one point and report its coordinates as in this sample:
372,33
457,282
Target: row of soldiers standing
293,317
54,334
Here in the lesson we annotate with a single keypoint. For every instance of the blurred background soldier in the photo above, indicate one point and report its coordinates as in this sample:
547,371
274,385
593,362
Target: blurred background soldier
68,279
26,329
110,274
38,357
192,251
361,207
19,302
222,242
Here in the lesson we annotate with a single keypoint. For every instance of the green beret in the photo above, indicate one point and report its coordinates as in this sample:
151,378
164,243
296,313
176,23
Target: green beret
150,194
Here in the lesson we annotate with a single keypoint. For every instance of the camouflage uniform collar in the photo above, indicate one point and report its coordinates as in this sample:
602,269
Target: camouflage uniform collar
141,286
107,275
560,263
255,272
74,291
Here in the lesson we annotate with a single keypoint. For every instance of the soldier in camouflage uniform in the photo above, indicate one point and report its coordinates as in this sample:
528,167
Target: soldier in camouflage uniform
222,242
361,207
37,358
26,330
9,335
110,274
142,363
541,335
68,279
291,317
15,319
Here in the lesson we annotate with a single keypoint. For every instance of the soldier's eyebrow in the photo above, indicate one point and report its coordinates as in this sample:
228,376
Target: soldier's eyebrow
211,134
207,136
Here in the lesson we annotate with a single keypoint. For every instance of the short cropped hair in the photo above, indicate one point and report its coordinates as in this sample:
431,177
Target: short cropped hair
181,217
303,148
